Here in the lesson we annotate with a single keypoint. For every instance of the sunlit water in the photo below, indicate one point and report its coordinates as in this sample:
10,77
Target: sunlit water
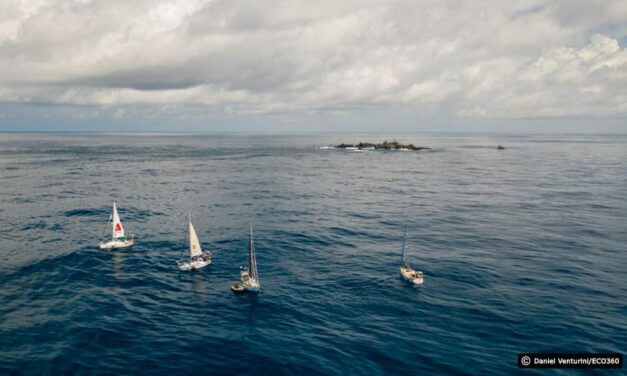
522,249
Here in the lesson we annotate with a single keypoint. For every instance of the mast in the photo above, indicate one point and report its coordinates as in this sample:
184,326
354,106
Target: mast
252,260
404,237
114,214
189,230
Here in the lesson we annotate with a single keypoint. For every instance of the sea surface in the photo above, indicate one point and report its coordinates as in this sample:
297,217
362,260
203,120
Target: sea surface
523,250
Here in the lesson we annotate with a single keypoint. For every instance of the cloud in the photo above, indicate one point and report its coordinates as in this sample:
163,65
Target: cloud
496,59
119,114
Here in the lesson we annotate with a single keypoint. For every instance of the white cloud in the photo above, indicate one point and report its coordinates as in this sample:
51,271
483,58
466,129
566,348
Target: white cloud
469,59
119,113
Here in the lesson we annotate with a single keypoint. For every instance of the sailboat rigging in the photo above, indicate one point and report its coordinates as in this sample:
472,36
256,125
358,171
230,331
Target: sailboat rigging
249,278
118,236
407,272
197,258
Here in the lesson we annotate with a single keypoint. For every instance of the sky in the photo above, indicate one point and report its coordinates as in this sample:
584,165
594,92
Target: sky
301,66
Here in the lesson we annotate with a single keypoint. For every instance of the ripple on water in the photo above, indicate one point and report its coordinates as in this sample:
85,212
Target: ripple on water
522,250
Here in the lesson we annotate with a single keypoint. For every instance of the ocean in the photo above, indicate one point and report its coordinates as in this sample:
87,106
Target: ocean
523,250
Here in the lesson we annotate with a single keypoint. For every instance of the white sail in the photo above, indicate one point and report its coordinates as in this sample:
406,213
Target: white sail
194,244
118,230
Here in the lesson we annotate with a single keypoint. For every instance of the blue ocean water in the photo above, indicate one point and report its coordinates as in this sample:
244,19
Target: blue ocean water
522,249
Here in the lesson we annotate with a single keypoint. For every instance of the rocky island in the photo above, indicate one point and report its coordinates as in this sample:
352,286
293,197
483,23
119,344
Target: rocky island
385,145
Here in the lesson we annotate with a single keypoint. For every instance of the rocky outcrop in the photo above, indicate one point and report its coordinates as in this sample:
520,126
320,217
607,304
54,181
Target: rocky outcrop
385,145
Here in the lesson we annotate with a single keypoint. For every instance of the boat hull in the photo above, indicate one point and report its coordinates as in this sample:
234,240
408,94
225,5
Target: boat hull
246,284
251,288
412,276
241,287
115,244
186,266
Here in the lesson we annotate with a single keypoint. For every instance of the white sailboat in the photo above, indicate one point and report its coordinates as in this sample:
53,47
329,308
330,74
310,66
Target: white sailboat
118,236
407,272
249,279
197,258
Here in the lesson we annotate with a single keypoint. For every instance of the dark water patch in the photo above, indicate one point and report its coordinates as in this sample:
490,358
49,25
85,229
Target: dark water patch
22,199
35,226
86,212
138,215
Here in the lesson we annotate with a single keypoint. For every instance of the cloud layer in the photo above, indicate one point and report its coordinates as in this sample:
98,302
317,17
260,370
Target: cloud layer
495,59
